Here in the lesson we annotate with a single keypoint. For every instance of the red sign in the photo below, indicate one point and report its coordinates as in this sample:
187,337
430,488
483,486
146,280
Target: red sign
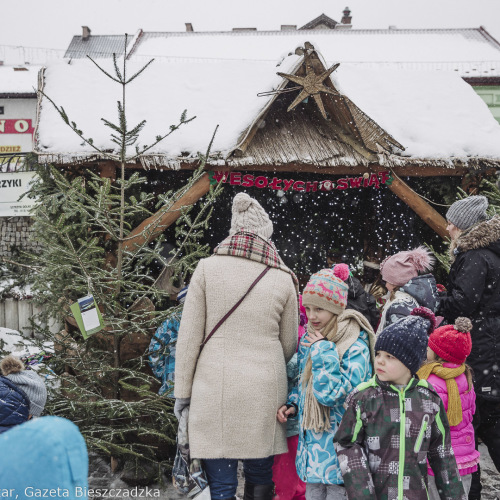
19,126
262,181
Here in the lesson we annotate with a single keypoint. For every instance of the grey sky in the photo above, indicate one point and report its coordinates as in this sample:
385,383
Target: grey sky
52,23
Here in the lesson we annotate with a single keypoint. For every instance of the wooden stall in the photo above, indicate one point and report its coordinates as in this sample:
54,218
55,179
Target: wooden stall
307,120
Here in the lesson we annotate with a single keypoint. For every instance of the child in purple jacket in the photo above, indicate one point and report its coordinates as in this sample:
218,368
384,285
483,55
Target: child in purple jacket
451,378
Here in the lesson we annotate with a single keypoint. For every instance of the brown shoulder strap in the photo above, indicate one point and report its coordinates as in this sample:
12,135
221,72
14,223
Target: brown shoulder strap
216,327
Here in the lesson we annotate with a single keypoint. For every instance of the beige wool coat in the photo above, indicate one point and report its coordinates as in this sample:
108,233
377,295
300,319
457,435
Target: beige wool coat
239,381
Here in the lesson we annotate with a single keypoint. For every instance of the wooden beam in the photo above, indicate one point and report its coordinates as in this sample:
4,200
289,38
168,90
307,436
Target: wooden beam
430,171
153,226
108,170
242,147
430,216
355,144
406,171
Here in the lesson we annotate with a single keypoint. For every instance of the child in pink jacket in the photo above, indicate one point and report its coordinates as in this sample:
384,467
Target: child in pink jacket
446,370
288,485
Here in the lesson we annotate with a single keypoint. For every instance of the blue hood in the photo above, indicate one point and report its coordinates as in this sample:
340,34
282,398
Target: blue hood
423,289
14,407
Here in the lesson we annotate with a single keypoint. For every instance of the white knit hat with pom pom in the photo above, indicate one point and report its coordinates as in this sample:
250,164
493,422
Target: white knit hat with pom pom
248,215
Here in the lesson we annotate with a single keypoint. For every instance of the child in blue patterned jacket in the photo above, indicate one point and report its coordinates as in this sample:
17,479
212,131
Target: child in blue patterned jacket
334,357
162,348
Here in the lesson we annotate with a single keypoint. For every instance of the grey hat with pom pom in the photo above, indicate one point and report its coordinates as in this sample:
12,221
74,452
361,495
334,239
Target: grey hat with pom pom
248,215
407,339
28,381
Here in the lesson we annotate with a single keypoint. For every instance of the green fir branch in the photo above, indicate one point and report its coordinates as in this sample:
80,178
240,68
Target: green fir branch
117,80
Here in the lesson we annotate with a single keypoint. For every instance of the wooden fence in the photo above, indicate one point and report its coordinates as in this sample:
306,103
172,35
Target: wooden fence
16,314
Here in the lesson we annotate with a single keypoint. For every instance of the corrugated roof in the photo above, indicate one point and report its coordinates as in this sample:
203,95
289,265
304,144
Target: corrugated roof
321,19
96,46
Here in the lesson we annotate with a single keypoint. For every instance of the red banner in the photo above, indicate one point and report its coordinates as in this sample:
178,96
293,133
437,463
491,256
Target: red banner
262,181
19,126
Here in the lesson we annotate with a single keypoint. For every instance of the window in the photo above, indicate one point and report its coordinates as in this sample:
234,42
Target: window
1,110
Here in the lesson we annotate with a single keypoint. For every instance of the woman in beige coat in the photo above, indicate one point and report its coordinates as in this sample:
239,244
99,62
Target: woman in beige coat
238,382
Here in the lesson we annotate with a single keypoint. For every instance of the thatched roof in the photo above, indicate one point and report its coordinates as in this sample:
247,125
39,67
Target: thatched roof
388,118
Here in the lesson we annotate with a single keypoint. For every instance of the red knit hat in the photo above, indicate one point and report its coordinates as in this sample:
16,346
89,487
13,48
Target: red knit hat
452,343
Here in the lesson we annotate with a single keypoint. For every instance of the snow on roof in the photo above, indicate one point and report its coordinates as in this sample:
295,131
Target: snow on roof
218,93
18,81
432,114
470,52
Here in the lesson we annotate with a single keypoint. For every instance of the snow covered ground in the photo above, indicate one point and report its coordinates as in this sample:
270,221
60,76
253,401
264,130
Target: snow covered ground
490,479
12,341
489,475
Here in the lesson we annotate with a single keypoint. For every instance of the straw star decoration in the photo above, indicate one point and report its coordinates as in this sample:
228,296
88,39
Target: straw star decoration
312,84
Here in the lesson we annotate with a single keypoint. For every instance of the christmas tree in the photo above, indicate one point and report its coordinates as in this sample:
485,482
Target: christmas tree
104,237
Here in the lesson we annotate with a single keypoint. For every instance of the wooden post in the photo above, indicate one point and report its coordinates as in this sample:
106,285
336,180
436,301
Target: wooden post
108,170
2,314
153,226
11,314
25,312
430,216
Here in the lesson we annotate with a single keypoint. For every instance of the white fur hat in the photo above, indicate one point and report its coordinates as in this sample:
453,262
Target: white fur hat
248,215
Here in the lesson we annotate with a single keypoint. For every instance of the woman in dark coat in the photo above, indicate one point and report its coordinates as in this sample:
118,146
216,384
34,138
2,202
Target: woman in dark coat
474,291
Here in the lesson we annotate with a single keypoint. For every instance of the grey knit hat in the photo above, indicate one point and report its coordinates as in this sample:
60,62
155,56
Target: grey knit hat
248,215
467,212
28,381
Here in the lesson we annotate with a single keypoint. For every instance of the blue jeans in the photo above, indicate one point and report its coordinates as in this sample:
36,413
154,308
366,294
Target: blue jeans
222,474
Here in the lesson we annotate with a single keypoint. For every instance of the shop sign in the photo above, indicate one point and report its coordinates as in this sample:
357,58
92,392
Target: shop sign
20,126
12,186
263,181
10,149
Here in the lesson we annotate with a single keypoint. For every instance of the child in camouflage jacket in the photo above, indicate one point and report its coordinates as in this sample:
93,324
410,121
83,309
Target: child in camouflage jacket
395,422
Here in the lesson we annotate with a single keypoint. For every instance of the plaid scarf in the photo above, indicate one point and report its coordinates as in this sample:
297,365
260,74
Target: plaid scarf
251,246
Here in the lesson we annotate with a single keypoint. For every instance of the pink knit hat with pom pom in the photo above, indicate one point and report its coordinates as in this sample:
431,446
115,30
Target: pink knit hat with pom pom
403,266
341,271
327,291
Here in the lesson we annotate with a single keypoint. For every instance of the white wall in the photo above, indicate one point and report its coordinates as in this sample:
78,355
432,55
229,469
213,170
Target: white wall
17,109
